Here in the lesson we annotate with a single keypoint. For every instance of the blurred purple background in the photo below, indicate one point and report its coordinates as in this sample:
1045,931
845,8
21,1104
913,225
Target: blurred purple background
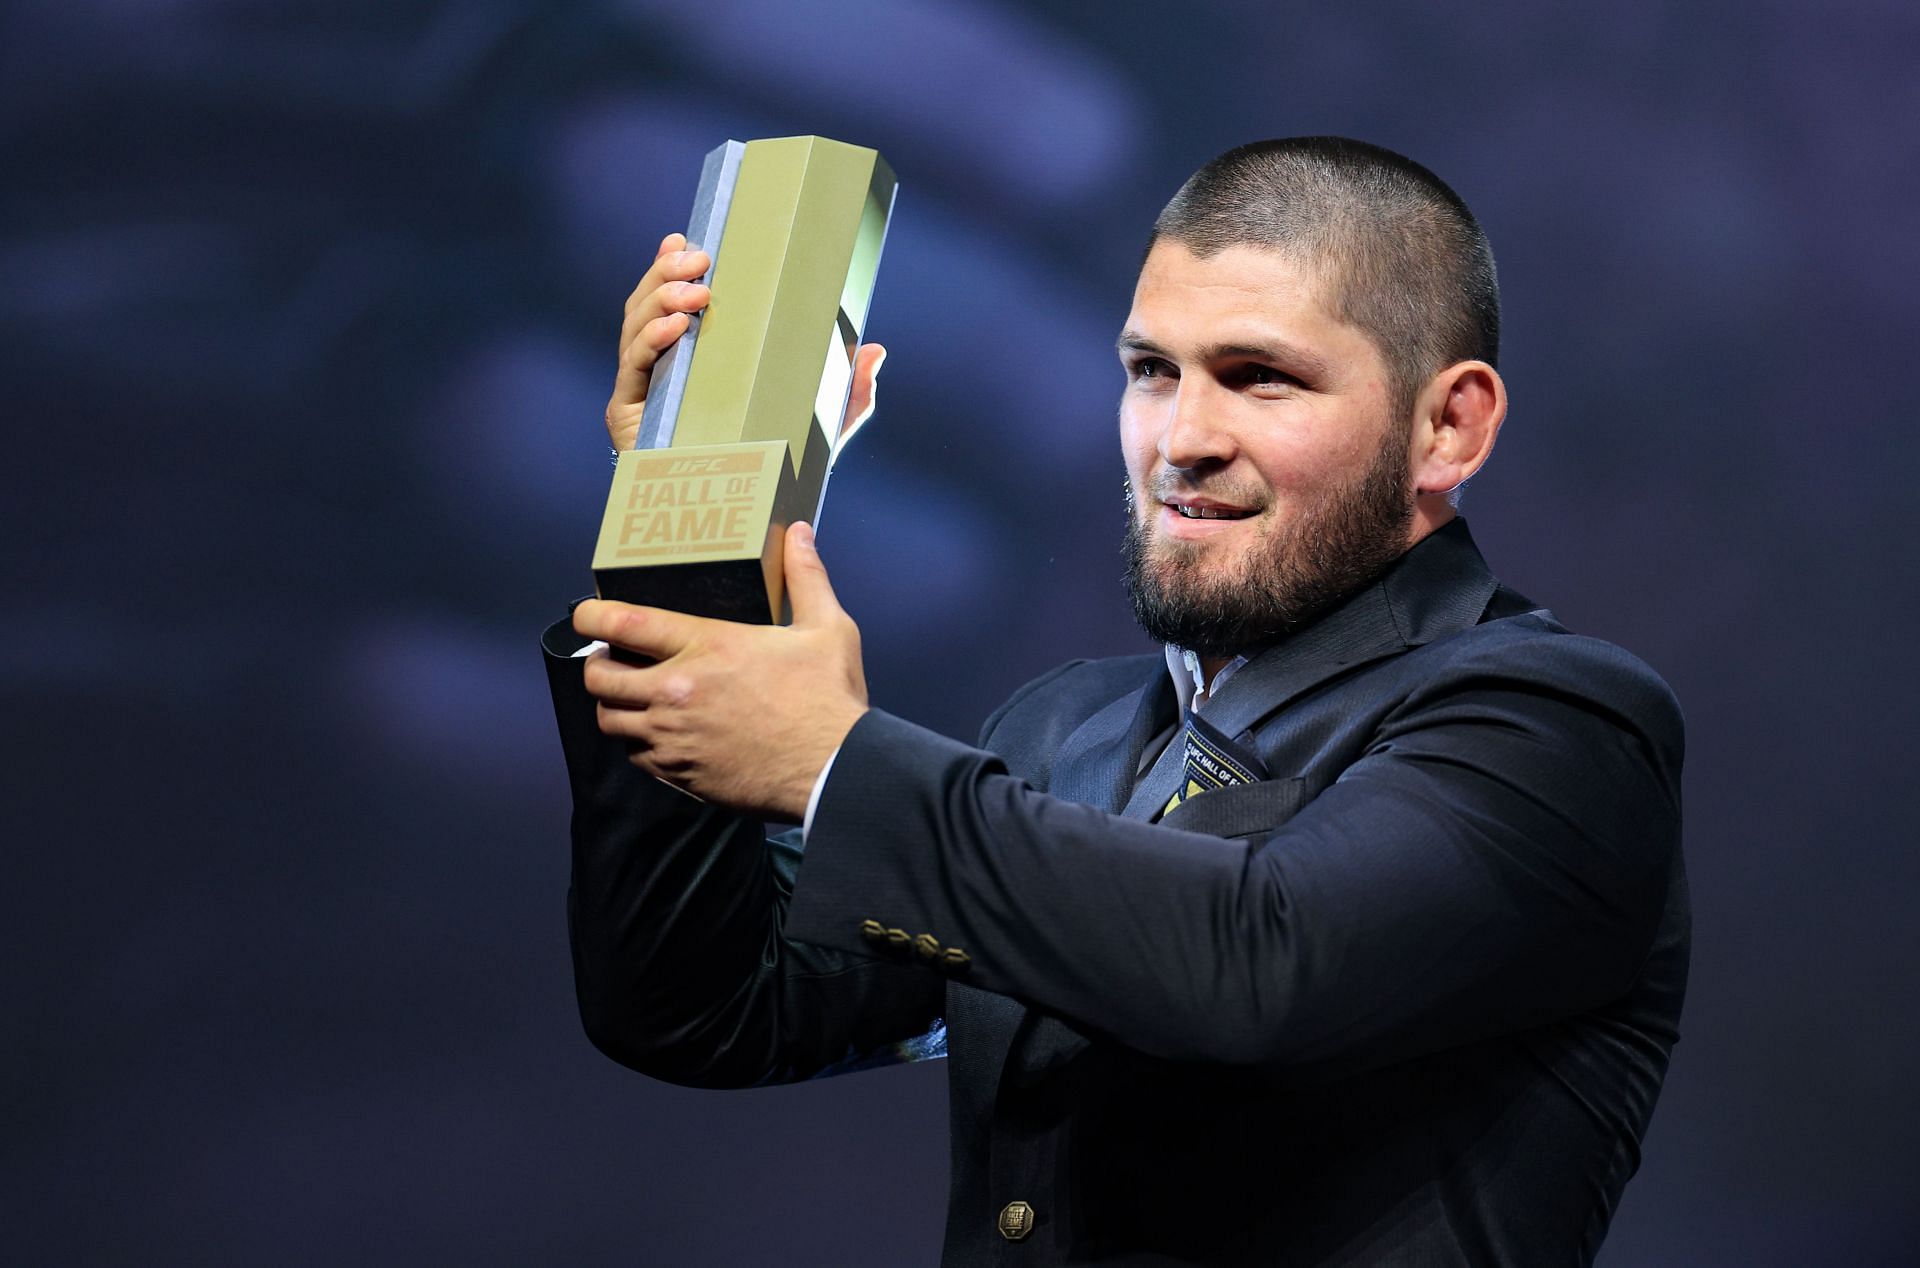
308,317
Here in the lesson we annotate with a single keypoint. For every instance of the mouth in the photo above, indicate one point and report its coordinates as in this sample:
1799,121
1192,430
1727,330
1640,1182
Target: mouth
1200,510
1197,519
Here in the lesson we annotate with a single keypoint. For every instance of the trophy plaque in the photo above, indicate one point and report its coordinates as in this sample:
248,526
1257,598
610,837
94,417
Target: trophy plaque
743,412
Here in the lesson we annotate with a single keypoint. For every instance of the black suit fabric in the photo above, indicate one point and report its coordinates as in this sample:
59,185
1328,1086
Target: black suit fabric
1410,1001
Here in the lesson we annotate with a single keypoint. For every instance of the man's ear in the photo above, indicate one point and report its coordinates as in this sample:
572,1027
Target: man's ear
1456,420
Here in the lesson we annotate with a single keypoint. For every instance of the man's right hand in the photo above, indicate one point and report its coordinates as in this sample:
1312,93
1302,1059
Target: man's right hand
659,311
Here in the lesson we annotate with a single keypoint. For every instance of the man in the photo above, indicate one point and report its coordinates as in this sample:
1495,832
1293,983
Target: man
1351,931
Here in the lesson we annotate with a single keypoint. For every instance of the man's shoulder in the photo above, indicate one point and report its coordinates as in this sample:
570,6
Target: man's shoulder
1531,652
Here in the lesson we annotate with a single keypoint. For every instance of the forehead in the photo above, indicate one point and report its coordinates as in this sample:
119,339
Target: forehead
1240,294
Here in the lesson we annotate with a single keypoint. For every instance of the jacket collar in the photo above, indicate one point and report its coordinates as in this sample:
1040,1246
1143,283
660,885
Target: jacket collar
1098,762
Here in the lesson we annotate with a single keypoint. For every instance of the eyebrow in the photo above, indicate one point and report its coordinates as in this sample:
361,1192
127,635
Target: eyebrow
1308,364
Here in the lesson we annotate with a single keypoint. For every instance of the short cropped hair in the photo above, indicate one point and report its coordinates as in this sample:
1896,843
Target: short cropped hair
1407,262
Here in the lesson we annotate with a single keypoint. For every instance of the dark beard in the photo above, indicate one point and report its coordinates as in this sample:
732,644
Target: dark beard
1335,546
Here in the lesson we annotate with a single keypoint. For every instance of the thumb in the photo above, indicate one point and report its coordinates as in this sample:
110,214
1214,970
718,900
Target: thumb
807,586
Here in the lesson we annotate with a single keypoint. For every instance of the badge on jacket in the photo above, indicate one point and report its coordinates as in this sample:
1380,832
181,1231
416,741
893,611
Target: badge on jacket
1212,761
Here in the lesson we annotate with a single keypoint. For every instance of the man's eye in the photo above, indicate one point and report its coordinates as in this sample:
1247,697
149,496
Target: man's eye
1266,376
1149,368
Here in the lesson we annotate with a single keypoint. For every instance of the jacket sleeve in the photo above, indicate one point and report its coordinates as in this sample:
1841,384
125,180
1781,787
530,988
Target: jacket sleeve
676,914
1497,858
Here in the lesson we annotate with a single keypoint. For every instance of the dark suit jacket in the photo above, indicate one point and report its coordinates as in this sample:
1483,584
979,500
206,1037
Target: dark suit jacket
1409,1002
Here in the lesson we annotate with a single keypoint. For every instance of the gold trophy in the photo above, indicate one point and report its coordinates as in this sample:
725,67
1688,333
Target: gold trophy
743,412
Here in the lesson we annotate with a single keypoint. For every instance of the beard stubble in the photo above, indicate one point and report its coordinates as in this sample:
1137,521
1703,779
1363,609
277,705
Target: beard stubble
1335,545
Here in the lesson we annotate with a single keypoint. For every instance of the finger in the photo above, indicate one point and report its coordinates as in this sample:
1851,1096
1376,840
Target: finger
669,773
618,684
628,402
653,632
807,585
652,339
684,297
639,688
648,344
635,375
663,297
623,724
671,285
646,748
677,289
678,264
861,397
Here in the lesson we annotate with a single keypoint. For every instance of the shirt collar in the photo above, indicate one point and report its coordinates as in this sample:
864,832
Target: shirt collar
1189,680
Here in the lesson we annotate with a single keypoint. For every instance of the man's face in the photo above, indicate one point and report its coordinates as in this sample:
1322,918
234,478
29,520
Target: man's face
1268,470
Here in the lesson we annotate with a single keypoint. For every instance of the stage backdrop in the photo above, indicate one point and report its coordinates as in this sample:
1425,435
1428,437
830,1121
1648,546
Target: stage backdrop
308,316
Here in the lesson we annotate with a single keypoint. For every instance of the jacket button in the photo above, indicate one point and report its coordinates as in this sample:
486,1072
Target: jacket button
1016,1221
927,946
897,939
872,930
956,960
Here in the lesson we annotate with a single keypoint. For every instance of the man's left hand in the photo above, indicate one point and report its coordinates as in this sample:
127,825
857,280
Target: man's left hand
742,715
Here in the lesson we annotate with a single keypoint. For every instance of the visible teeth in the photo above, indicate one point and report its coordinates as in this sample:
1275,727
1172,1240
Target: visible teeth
1207,512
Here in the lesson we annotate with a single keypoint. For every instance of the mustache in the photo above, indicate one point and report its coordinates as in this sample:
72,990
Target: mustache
1170,484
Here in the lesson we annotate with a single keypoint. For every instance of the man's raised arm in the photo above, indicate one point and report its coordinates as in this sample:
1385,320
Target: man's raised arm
676,913
677,906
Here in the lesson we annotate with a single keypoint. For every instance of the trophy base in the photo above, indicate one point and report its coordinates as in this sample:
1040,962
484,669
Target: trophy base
733,591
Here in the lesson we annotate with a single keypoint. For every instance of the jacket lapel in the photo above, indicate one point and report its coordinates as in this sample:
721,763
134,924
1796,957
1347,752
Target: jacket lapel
1097,764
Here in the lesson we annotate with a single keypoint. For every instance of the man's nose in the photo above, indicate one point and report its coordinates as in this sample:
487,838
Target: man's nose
1195,434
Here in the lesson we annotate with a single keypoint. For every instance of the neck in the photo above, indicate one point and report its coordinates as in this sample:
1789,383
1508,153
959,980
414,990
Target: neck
1431,512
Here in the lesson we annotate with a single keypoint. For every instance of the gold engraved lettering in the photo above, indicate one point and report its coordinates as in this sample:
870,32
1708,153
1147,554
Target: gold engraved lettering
691,506
698,526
